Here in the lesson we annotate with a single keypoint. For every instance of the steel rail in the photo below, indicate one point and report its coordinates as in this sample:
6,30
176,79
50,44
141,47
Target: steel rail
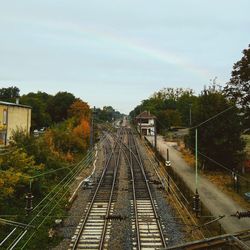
134,197
78,237
84,161
149,192
117,162
130,162
61,197
21,235
139,161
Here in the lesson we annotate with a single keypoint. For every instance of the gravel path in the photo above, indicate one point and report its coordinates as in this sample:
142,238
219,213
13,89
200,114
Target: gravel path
216,201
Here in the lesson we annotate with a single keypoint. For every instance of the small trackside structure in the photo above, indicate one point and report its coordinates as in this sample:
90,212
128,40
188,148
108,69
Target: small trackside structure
146,123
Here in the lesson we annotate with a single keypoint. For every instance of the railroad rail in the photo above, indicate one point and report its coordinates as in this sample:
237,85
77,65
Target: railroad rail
146,224
93,231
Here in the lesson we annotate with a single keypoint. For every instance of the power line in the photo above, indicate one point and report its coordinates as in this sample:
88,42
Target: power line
211,118
221,165
87,161
62,196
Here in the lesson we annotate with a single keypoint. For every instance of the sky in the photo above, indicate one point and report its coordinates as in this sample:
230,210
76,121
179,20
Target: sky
119,52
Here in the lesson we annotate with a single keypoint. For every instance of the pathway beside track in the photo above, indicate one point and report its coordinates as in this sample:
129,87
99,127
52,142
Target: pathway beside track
215,200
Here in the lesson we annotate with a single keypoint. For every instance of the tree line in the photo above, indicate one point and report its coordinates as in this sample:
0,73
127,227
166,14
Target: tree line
63,144
50,109
221,139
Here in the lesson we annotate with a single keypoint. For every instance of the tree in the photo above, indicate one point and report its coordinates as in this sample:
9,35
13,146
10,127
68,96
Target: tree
79,109
9,94
17,167
219,139
58,106
238,88
170,106
184,103
40,117
107,113
82,132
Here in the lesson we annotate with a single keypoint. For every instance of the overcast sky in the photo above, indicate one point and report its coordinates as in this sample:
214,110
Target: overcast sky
118,52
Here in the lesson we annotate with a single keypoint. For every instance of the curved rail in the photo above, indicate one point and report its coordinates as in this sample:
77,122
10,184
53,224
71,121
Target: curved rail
110,200
137,157
149,191
102,241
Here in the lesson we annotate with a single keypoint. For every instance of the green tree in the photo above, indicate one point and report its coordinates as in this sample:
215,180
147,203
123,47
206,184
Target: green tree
185,103
107,113
40,117
16,168
9,94
170,106
58,106
238,88
219,139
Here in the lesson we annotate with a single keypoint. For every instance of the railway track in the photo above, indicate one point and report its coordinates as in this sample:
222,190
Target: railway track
93,231
147,229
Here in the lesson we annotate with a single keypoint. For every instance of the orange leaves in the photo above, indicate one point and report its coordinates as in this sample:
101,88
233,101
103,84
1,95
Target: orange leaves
82,130
69,157
70,137
79,109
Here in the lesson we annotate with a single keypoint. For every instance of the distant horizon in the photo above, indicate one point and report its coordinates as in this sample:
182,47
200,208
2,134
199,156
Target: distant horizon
107,104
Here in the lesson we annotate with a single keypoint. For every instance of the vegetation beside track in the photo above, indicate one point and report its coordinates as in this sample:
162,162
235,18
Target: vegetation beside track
37,165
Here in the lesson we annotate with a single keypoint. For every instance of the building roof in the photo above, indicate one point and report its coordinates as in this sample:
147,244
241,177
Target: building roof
145,115
15,105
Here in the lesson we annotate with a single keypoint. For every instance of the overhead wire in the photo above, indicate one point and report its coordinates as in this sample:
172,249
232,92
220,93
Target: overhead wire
57,202
67,183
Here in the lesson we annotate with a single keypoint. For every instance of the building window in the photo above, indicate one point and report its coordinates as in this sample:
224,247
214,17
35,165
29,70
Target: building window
4,117
144,121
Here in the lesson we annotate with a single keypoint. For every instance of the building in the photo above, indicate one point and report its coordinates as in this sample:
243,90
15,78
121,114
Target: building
146,123
13,116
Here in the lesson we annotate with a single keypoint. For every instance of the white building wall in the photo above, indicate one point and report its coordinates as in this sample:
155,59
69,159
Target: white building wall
150,127
18,118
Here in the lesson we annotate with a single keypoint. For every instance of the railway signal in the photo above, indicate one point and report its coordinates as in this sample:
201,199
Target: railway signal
196,204
29,203
168,162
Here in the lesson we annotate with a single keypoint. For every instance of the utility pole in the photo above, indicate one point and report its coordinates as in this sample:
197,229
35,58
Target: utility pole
140,129
155,135
92,130
190,114
196,197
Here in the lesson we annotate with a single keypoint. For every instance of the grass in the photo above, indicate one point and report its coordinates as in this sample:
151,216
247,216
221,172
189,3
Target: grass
187,155
224,182
220,178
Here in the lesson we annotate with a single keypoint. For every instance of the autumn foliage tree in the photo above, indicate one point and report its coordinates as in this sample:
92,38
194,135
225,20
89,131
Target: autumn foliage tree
79,109
82,130
16,169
